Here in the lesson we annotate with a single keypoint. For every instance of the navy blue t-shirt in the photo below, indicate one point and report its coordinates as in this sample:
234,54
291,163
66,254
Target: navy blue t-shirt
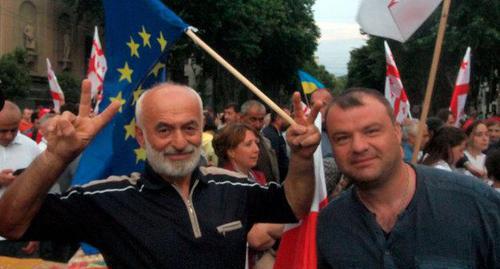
453,221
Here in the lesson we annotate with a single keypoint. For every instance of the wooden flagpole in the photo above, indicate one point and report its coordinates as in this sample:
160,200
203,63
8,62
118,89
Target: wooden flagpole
432,78
240,77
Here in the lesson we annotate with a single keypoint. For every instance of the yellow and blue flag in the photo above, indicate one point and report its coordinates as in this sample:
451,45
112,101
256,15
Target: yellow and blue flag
309,83
139,34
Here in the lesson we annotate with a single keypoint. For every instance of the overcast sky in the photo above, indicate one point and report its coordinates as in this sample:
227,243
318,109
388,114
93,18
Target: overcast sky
339,33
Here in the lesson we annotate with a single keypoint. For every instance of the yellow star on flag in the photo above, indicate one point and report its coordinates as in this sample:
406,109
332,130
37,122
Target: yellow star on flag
137,93
140,155
157,68
134,48
163,42
130,129
126,73
119,99
145,37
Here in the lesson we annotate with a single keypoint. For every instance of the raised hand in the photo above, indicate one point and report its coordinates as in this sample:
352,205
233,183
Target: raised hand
68,134
303,137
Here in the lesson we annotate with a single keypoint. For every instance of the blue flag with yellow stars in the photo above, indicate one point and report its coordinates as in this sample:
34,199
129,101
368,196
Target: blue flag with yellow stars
138,35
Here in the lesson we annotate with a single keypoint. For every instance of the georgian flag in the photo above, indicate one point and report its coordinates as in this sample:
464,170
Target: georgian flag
97,69
394,19
55,90
298,244
394,90
461,90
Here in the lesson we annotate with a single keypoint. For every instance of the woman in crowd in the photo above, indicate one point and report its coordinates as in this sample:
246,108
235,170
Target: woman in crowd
477,142
237,148
445,148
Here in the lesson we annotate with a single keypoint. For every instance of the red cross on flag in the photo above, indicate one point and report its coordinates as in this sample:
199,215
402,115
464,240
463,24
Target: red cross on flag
55,90
461,90
97,69
394,19
298,244
394,90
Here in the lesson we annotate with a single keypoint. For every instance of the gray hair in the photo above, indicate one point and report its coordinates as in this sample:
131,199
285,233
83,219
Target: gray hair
251,103
138,106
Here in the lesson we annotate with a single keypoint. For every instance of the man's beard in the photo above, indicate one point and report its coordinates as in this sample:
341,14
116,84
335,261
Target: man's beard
172,169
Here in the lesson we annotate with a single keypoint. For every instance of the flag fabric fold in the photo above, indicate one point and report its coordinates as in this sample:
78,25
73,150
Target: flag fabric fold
394,90
138,35
394,19
298,244
55,90
97,70
309,83
459,97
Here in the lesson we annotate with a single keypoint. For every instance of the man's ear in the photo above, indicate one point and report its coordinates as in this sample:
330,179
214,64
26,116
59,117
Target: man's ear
139,136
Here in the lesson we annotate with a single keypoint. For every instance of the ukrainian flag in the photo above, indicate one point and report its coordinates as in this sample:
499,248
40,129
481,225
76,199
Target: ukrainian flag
309,83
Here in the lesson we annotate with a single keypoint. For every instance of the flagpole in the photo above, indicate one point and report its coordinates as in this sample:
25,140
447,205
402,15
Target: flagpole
239,76
432,78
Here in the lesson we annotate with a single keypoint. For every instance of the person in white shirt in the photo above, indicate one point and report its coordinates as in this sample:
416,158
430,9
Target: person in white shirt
17,151
445,148
477,141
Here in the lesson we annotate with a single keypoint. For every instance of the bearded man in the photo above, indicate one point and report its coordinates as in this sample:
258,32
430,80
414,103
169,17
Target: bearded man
175,214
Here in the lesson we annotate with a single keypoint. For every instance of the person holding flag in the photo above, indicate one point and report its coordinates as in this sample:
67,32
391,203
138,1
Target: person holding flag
399,215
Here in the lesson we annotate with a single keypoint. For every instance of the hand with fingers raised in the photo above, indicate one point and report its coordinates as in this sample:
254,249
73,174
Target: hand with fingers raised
303,137
68,134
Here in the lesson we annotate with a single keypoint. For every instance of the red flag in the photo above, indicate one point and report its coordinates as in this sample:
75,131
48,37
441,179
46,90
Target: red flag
459,96
298,244
394,90
394,19
97,69
55,90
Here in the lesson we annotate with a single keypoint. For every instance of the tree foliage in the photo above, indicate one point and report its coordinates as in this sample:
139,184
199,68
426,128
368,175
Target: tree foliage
471,23
266,40
14,74
70,86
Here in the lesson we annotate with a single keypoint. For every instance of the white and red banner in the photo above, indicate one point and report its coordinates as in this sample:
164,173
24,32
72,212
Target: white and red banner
394,19
461,90
97,69
298,244
55,90
394,90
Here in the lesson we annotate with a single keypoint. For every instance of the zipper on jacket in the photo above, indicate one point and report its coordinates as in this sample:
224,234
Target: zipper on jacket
191,212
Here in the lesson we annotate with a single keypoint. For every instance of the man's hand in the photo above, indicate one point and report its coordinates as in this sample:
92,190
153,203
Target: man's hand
68,134
303,137
6,177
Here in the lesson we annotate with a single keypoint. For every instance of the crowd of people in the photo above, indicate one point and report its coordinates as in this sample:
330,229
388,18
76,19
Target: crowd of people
218,187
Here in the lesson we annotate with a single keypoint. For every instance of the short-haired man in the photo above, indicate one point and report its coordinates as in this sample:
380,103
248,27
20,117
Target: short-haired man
398,215
231,113
17,151
410,133
253,113
176,214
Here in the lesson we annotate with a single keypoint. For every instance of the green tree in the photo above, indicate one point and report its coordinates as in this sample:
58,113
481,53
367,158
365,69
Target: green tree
14,74
70,86
471,23
319,71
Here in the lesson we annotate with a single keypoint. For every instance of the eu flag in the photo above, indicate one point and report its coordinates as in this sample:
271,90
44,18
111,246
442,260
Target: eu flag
138,35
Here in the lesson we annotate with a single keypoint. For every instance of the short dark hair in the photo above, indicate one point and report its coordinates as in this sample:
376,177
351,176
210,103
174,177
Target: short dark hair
443,114
492,164
229,138
233,105
353,98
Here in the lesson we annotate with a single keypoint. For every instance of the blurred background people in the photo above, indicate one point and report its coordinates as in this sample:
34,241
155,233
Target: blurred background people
477,142
445,148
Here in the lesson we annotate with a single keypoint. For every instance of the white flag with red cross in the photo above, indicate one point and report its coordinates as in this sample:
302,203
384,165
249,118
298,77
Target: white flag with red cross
461,90
394,90
298,244
55,90
394,19
97,69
